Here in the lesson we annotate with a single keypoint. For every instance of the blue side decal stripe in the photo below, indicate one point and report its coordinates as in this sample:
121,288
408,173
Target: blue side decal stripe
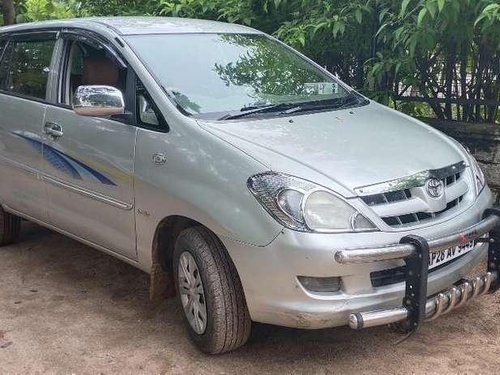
99,176
64,162
55,159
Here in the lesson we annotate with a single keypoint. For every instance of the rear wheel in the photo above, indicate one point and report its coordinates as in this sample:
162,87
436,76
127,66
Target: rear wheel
10,226
210,292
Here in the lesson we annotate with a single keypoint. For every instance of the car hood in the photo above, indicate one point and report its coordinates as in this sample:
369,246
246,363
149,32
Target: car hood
351,148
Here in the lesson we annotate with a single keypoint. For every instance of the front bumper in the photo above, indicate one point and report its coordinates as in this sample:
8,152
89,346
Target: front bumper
441,304
415,251
274,295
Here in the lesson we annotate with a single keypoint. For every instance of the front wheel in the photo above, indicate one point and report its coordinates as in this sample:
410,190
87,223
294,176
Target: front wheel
10,226
210,292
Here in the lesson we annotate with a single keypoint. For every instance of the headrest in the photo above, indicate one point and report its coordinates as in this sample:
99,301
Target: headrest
100,71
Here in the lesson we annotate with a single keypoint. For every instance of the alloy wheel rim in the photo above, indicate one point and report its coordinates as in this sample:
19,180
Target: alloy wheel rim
192,293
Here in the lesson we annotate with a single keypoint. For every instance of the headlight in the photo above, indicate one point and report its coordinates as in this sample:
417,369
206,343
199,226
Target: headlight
479,179
324,212
302,205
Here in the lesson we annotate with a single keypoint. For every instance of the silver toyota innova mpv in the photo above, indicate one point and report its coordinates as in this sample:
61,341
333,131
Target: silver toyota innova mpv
228,165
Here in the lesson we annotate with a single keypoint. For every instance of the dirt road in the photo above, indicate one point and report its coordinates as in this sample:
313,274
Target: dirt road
68,309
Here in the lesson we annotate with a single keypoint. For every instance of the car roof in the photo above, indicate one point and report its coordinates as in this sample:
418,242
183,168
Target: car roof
137,25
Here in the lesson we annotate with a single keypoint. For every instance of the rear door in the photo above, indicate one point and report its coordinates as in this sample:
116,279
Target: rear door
25,67
89,173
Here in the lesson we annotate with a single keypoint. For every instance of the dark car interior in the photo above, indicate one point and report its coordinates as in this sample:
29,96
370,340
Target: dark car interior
91,66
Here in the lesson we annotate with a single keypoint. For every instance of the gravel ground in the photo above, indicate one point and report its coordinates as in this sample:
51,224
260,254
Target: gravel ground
69,309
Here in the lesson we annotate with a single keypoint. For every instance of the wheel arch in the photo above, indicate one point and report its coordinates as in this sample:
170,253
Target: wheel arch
166,232
162,283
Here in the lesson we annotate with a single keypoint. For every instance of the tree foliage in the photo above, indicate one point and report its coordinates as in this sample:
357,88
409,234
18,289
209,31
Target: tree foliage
119,7
445,49
40,10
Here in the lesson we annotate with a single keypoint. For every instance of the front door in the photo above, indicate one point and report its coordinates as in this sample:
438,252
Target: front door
90,161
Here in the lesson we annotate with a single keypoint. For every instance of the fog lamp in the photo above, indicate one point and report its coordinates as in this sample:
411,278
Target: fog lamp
320,284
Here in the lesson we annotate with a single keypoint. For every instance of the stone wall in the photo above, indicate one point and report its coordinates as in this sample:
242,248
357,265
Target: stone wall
484,142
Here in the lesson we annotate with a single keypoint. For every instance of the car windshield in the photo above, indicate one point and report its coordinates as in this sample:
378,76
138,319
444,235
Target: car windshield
215,76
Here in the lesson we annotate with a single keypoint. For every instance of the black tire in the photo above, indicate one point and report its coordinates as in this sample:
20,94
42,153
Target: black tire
228,322
10,227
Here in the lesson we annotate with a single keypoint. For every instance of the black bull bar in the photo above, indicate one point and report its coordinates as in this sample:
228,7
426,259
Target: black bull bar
416,251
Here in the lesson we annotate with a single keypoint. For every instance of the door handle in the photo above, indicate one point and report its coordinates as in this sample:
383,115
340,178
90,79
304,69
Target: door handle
52,129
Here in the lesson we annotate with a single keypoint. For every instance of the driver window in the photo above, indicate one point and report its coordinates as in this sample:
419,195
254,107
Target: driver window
88,65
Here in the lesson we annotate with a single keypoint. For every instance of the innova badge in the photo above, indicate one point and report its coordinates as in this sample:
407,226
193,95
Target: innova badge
434,187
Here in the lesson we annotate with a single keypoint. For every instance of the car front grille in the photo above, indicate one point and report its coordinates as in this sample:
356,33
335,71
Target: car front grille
389,197
407,202
398,274
388,277
417,217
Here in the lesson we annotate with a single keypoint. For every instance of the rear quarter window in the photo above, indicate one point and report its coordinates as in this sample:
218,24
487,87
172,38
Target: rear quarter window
25,66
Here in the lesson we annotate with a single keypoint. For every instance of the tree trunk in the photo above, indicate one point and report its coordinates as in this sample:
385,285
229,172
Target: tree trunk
9,12
448,76
464,59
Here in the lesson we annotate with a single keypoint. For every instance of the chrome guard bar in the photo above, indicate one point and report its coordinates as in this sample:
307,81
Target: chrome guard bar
441,304
415,251
403,250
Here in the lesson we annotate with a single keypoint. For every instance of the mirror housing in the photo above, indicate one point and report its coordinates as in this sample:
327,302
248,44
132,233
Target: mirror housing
98,101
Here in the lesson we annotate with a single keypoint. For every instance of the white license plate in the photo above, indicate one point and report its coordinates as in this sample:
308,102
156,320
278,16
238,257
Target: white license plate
445,256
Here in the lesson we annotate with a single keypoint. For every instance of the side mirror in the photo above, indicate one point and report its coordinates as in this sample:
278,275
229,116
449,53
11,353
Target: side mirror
98,101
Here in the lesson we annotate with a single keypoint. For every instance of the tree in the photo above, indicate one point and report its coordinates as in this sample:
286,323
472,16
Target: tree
435,49
120,7
9,12
41,10
444,50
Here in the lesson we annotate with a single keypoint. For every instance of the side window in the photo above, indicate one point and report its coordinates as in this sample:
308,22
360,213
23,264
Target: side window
148,114
25,66
89,65
146,111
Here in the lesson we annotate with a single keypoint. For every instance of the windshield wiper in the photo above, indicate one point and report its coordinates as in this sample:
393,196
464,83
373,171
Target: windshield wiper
337,104
288,108
247,111
352,100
